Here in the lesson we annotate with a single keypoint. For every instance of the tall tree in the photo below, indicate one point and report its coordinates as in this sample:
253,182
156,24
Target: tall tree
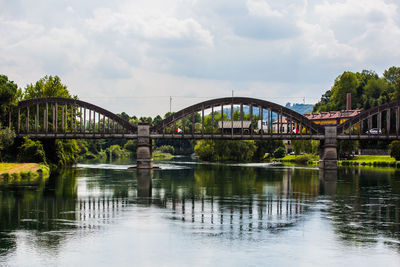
48,86
345,83
392,74
9,94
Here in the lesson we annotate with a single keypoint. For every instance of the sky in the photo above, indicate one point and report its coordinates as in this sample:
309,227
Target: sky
132,56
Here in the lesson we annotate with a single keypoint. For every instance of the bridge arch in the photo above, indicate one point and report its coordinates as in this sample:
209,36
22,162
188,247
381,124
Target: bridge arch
277,119
41,117
385,117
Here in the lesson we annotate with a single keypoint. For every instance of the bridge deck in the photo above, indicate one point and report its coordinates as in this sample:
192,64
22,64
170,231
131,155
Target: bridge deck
172,136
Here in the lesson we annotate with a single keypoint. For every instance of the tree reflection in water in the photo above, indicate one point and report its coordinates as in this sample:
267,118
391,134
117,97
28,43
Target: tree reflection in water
213,200
366,207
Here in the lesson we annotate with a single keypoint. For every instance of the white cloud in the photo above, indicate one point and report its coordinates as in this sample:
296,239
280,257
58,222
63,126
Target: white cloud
120,53
151,27
261,8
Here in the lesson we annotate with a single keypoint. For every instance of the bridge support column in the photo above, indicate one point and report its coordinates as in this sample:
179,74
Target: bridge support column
144,158
328,149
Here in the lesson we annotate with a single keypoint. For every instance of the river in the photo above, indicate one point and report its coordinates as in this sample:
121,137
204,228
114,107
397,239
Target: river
195,214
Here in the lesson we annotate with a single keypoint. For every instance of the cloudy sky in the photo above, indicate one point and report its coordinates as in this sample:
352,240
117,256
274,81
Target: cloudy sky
131,55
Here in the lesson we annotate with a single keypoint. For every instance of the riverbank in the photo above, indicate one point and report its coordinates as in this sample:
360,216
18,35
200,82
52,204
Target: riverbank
376,161
23,172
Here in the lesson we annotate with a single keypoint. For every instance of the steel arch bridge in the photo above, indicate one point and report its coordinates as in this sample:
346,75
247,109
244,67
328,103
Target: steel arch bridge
63,118
234,118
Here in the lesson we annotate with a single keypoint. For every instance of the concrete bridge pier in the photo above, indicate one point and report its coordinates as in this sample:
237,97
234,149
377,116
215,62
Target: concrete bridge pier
328,149
144,159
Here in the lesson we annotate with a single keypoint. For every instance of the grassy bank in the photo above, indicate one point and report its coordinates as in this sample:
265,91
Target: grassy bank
24,173
299,159
378,161
162,156
372,161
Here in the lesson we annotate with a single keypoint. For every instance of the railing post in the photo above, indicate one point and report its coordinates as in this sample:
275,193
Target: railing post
144,158
328,149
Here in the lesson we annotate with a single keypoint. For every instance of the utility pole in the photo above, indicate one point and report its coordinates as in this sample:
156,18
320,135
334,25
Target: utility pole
170,104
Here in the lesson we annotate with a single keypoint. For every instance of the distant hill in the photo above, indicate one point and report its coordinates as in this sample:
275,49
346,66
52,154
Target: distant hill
300,108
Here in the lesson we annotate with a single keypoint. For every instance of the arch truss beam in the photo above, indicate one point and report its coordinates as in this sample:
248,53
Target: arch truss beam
57,117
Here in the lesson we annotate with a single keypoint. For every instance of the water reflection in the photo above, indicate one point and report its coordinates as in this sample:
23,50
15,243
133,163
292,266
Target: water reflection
366,208
229,202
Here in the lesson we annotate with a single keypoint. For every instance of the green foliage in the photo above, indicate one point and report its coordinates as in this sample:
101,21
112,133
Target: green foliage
279,153
31,151
205,149
225,150
67,152
9,94
392,74
396,85
303,159
345,83
366,87
346,148
7,137
395,149
48,86
267,146
166,149
115,152
131,146
305,146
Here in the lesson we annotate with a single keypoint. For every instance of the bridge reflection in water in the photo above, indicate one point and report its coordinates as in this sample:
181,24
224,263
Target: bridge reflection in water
221,201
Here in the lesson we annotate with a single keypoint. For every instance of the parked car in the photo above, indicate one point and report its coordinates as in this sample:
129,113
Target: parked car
374,131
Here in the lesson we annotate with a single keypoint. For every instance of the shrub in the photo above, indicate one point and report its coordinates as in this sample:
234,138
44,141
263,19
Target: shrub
279,153
31,151
303,159
131,146
395,150
166,149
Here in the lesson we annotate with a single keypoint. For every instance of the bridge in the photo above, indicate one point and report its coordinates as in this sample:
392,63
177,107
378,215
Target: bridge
231,118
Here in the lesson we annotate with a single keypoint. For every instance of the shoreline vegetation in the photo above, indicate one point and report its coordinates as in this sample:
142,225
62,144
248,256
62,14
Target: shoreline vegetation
23,173
370,161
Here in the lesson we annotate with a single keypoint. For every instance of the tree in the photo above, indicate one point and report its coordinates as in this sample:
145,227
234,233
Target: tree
7,137
47,86
266,146
279,153
345,83
396,85
225,150
9,94
395,149
392,74
375,87
31,151
58,152
131,146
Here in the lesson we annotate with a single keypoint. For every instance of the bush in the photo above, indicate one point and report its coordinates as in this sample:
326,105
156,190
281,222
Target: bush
395,150
279,153
303,159
166,149
131,146
31,151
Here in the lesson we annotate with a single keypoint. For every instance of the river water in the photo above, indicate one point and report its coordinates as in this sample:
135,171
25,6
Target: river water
194,214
